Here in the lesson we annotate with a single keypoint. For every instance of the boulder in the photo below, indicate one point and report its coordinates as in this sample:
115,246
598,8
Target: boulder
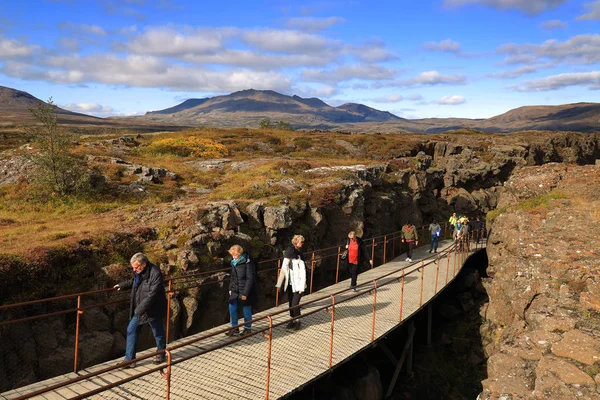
95,320
95,347
58,362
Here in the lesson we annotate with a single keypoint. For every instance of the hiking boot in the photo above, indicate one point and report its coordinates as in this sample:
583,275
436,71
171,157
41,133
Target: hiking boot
430,250
246,331
127,366
298,325
159,359
290,325
232,332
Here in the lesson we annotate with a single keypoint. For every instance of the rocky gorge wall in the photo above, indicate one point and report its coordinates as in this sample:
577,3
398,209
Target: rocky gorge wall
542,323
430,182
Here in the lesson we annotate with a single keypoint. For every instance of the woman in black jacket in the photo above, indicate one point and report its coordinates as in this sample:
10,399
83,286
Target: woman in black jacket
356,254
242,289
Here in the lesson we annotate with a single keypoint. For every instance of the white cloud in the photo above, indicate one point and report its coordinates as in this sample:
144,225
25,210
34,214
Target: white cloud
553,24
82,28
312,24
581,49
168,42
451,100
348,72
593,11
529,7
90,108
589,79
395,98
515,73
415,97
372,51
144,71
435,78
10,48
324,91
447,45
288,42
252,59
69,43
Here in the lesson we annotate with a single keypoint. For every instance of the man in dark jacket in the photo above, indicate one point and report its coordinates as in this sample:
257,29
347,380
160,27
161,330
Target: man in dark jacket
148,305
242,289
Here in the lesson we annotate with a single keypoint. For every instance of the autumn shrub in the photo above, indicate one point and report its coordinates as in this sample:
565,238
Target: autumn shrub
189,146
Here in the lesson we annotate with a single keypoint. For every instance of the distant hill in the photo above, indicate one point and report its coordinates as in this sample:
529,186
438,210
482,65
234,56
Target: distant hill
247,108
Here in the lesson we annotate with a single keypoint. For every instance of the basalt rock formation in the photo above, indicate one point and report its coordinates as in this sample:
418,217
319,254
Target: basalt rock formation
542,329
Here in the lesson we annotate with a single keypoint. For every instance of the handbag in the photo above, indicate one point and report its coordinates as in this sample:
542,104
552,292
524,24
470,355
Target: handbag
344,255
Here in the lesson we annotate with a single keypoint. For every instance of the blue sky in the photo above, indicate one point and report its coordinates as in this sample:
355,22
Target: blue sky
417,59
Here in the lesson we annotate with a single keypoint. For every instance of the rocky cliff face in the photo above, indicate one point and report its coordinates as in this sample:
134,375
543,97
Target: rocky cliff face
461,173
542,330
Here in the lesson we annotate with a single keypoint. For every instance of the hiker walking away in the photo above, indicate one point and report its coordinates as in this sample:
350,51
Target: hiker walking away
356,254
148,305
293,278
436,231
466,233
478,229
410,236
242,289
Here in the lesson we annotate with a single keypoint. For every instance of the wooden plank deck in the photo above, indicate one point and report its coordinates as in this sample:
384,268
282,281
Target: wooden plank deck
239,370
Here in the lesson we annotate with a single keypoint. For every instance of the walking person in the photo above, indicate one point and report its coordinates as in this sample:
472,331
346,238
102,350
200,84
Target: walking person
452,221
478,229
293,278
356,254
436,231
242,289
410,236
148,305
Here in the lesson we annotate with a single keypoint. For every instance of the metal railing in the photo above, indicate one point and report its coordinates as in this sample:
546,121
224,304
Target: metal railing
173,284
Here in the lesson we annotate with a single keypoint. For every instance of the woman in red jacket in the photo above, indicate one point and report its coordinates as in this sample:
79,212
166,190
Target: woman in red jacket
356,254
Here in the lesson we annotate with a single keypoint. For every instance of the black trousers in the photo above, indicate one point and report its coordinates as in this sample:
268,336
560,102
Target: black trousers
411,246
353,273
293,300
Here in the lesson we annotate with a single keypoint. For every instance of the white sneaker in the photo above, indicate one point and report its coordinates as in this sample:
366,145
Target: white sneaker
407,259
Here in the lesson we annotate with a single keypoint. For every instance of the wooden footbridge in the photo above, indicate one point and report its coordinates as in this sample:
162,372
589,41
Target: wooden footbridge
273,362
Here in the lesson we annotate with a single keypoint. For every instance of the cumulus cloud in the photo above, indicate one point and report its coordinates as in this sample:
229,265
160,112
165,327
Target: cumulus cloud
82,28
394,98
447,45
529,7
372,51
256,60
287,41
581,49
90,108
590,80
10,49
553,24
435,78
515,73
348,72
312,24
168,42
593,9
450,100
144,71
69,43
324,91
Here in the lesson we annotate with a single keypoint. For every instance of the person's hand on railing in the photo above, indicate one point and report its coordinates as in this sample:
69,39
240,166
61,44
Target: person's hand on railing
371,262
117,287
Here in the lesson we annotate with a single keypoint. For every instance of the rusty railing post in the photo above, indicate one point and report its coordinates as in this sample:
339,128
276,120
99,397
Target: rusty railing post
422,280
337,267
374,310
448,267
384,248
76,355
437,274
270,338
276,278
331,335
402,296
312,270
394,245
168,322
167,375
373,254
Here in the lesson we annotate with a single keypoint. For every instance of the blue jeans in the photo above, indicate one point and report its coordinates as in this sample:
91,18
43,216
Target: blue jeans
133,330
434,242
233,312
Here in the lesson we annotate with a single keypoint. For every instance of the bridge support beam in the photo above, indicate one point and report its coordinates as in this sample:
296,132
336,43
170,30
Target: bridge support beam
407,351
429,323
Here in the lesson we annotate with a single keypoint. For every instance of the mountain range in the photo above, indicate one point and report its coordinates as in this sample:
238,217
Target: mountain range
247,108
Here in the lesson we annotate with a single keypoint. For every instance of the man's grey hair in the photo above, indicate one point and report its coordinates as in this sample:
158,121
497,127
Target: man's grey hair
139,258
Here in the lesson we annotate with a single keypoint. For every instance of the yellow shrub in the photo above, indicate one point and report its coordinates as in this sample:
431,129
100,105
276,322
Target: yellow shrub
189,146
